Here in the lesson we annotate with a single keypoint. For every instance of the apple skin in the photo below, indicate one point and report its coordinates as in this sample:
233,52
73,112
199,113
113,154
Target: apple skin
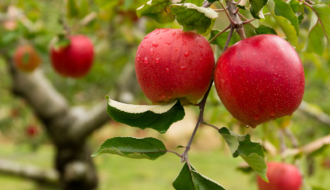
171,64
31,131
259,79
74,60
281,176
26,58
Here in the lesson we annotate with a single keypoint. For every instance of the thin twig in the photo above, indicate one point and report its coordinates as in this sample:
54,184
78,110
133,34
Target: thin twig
174,152
229,37
231,20
219,10
291,137
211,126
224,30
242,16
248,21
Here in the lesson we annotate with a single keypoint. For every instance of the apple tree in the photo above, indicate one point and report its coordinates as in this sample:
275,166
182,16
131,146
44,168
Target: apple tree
241,62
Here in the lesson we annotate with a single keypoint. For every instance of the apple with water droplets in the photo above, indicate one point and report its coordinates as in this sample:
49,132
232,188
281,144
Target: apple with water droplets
171,64
74,60
260,78
281,176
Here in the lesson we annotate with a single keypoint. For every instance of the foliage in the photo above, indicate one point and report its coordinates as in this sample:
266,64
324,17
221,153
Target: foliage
116,32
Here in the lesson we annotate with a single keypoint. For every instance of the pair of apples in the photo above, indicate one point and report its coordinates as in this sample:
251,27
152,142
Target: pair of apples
258,79
73,60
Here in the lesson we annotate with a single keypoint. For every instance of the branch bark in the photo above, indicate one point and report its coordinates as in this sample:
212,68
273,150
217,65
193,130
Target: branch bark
312,111
30,172
308,148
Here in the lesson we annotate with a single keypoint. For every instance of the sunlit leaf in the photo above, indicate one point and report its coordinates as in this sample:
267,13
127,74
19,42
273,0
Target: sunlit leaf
158,117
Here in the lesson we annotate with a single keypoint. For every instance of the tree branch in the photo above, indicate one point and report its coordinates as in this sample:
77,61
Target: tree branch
317,114
30,172
88,121
308,148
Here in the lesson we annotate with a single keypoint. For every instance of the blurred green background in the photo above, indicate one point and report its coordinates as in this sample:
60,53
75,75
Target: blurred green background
116,32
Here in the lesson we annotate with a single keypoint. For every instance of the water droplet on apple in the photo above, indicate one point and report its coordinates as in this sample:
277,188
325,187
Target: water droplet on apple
167,70
151,51
146,37
157,32
200,46
186,53
183,42
201,59
201,54
168,43
256,117
183,68
157,60
154,43
146,60
173,33
138,57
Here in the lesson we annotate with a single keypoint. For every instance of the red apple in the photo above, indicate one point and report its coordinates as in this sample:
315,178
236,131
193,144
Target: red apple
259,79
31,131
171,64
26,58
281,176
74,60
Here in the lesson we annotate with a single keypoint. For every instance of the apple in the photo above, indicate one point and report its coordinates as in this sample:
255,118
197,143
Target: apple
75,59
171,64
31,131
281,176
26,58
260,78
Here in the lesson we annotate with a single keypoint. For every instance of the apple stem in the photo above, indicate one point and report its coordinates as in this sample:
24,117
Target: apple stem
224,30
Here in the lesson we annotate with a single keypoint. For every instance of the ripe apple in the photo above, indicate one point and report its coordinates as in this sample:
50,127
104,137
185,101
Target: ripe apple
26,58
281,176
259,79
74,60
171,64
31,131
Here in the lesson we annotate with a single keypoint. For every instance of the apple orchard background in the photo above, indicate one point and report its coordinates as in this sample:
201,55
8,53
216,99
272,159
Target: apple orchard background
116,31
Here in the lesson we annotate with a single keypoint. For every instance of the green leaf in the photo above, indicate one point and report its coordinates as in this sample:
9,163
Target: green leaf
196,18
256,7
84,6
72,8
249,30
323,13
298,8
251,152
199,3
280,11
316,40
262,29
158,10
62,42
283,9
158,117
130,147
221,40
257,163
190,179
